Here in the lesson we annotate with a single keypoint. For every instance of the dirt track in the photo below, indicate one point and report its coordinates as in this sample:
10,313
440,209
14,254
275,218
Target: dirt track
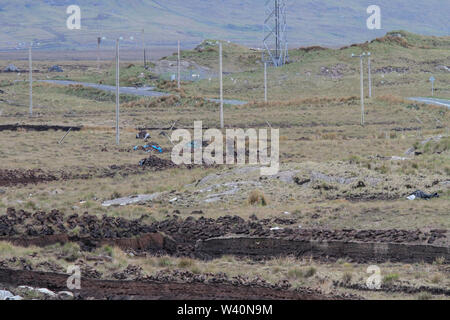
109,289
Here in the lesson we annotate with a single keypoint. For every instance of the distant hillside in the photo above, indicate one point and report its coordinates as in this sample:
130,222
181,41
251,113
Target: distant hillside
326,22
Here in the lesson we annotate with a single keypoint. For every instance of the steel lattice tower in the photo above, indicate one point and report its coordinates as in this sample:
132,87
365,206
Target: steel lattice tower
275,31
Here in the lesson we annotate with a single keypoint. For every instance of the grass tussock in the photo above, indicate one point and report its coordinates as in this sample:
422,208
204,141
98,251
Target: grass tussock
257,197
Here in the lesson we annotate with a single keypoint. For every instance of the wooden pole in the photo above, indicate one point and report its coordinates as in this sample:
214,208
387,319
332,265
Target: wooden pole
117,92
62,139
370,78
362,91
99,39
143,47
221,85
265,82
179,66
30,66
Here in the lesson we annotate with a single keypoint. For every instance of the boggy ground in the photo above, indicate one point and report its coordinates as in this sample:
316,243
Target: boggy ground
180,237
338,180
340,279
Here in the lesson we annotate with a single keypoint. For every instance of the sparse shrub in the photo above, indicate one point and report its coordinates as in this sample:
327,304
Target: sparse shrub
354,159
424,296
433,147
276,269
347,277
30,205
115,195
329,136
196,270
310,272
6,248
257,197
416,145
75,231
164,262
439,261
384,169
390,278
413,106
106,250
71,251
295,273
324,186
185,263
436,279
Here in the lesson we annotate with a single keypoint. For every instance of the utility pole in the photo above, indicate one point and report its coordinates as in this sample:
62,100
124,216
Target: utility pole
30,66
432,80
143,48
370,74
179,66
117,92
99,39
362,91
361,57
221,85
265,82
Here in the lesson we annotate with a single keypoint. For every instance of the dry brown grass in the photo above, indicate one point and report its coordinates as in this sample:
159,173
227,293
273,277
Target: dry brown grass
256,197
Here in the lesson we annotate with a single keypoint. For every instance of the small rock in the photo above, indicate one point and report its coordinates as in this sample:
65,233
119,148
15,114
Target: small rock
410,151
46,292
4,295
14,298
55,68
65,295
360,184
26,288
2,191
11,68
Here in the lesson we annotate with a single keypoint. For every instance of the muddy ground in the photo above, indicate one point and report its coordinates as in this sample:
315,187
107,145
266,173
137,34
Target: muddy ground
181,237
192,287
